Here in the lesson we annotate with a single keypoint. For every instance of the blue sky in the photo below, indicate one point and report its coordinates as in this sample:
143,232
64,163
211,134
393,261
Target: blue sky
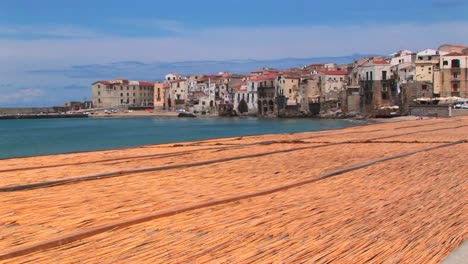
52,50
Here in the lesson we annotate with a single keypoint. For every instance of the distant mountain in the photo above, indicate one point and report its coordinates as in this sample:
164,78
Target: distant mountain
156,70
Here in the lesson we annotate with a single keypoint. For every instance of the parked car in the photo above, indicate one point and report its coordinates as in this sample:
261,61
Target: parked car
180,111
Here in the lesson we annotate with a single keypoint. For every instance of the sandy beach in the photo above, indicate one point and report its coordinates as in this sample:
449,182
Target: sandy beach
390,192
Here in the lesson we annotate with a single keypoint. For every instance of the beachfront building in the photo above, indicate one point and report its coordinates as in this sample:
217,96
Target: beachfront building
454,74
176,94
427,69
377,87
122,93
158,90
333,83
266,94
245,98
403,66
332,89
309,93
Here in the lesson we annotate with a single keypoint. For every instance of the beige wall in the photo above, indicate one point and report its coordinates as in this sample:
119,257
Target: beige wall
332,86
425,70
121,95
454,80
158,89
289,88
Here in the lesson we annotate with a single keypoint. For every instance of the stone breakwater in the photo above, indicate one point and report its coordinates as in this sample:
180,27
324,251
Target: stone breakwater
392,192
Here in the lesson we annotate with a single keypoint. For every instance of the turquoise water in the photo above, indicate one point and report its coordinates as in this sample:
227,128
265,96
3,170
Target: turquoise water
19,138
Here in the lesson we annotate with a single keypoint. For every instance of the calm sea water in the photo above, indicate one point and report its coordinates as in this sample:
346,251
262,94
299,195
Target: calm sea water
19,138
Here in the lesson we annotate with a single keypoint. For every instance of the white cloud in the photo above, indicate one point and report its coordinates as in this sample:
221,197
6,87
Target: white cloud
23,95
157,24
46,31
241,43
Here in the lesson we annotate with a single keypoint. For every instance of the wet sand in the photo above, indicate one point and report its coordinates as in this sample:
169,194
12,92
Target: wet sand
396,193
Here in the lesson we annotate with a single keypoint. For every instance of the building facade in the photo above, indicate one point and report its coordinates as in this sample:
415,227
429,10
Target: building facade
122,93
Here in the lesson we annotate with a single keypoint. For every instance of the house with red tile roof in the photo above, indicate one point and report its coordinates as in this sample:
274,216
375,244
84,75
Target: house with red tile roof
122,93
454,74
333,84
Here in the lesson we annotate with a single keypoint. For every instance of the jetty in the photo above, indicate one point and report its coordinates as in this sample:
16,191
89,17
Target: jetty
392,192
42,116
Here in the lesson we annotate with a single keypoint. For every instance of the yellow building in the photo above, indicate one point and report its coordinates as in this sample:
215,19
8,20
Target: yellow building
427,68
158,95
454,74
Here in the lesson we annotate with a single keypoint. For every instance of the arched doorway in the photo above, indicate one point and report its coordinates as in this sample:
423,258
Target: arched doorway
242,107
271,106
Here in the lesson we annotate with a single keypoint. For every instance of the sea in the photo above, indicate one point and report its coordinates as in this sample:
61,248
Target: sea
32,137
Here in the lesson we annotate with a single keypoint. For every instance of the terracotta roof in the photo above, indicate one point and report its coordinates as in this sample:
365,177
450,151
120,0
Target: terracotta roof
381,62
237,85
179,80
337,72
291,76
265,77
145,83
103,82
452,54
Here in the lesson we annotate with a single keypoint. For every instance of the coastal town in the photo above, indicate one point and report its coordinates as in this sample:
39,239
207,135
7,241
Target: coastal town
420,83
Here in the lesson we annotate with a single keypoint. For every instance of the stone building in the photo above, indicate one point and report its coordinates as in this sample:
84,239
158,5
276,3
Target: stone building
454,74
158,99
333,83
245,98
266,94
122,93
377,87
177,94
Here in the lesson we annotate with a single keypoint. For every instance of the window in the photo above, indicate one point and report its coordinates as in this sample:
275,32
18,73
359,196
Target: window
370,75
424,86
445,63
384,75
429,58
455,63
128,88
121,94
99,100
99,93
133,94
121,88
128,94
134,100
367,76
455,75
290,91
121,101
455,87
99,86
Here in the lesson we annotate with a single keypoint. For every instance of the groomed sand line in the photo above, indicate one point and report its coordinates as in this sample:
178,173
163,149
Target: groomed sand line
395,139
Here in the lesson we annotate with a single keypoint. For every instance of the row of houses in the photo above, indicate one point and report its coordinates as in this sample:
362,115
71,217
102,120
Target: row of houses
369,86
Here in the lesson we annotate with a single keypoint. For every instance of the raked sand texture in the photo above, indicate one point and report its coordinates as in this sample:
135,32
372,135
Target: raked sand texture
393,193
